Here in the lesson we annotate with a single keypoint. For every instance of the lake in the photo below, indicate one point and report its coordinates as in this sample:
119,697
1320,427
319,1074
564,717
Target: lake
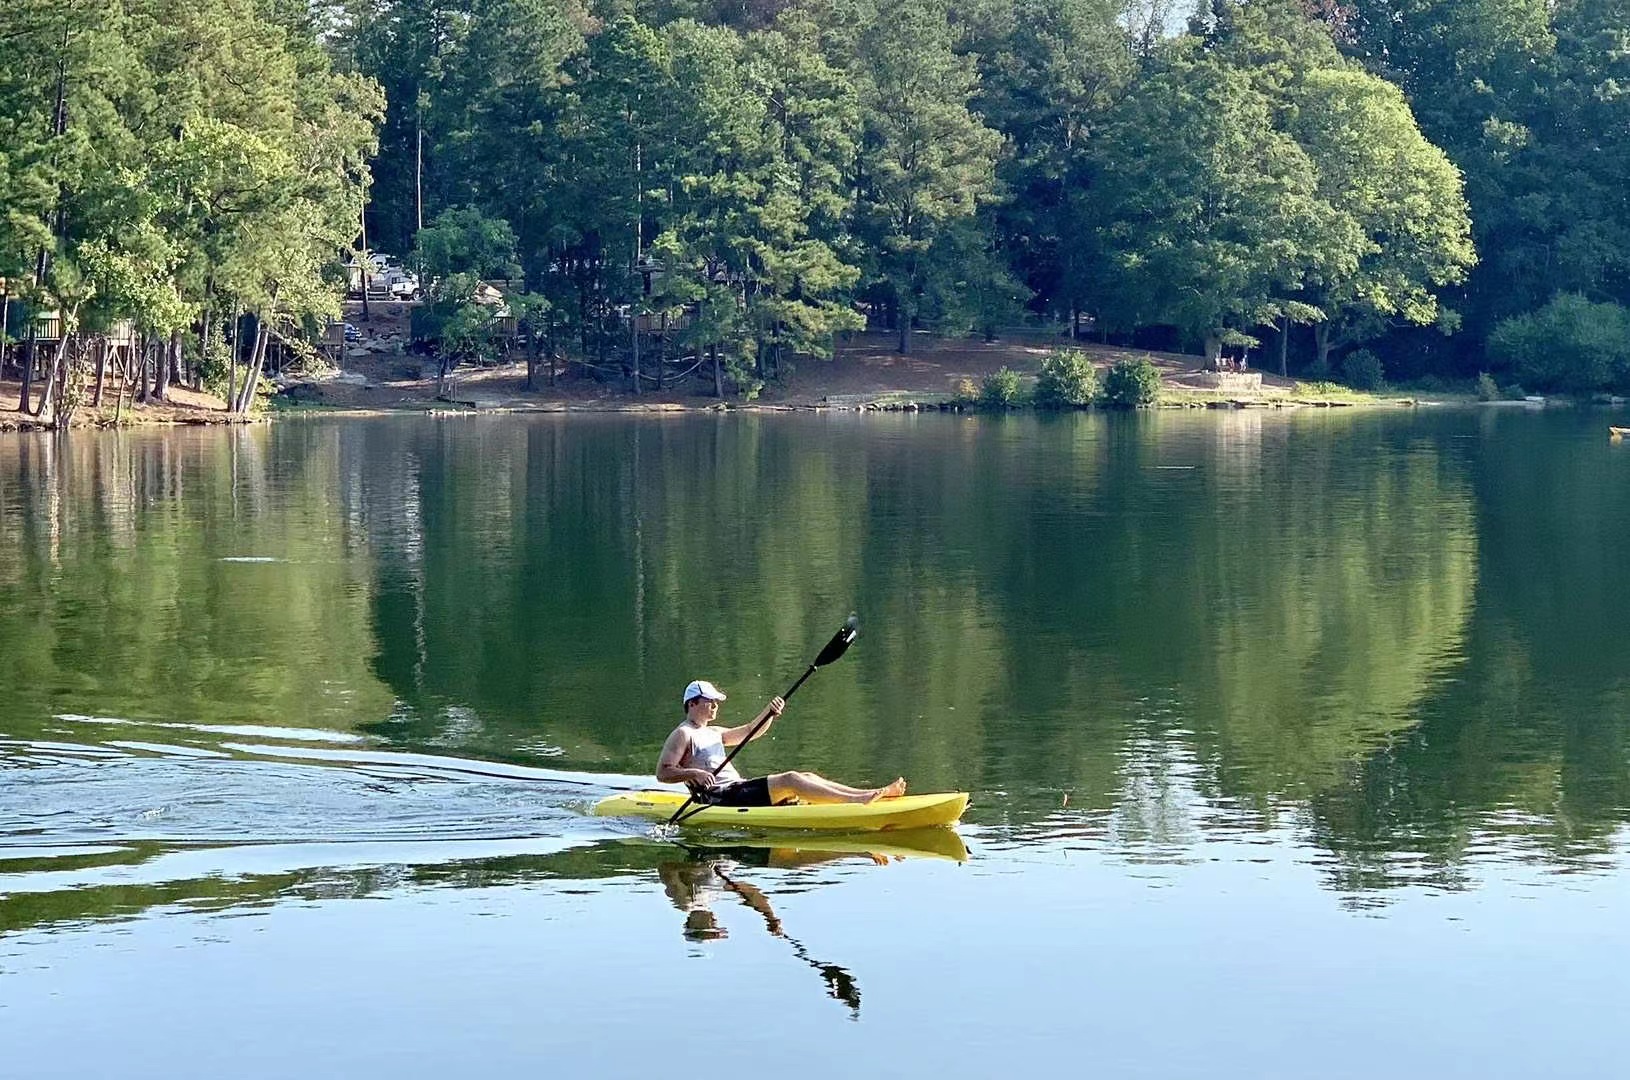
1298,743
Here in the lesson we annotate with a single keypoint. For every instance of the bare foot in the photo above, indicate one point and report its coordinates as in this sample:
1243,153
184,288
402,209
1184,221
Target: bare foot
893,791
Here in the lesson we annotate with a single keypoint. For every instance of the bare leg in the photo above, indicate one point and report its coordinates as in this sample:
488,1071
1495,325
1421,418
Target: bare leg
810,788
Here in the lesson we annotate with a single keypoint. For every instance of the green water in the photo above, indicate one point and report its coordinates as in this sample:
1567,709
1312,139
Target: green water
1297,743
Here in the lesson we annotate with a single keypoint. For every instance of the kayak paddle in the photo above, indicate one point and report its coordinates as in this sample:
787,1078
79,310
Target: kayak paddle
834,649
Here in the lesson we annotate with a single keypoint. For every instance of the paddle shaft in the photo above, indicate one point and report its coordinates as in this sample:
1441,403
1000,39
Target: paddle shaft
734,750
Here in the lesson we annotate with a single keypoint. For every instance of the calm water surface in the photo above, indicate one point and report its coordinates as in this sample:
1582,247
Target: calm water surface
1299,745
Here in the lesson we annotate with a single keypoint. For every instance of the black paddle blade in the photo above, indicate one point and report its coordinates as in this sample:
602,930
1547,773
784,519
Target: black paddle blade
840,641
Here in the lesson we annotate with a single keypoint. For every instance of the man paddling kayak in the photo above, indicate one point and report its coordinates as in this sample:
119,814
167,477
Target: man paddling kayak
696,749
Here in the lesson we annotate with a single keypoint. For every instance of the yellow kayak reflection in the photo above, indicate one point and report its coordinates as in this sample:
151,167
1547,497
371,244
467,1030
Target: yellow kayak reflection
788,851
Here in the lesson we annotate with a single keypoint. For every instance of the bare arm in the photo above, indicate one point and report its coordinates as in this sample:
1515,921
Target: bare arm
669,770
737,735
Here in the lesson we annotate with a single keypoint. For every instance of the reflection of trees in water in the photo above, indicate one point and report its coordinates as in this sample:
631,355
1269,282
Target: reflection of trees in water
1042,601
1289,597
1528,749
118,600
1274,599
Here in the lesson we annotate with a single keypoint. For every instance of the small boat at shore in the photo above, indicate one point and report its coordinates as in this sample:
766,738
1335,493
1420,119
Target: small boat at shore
905,812
1617,432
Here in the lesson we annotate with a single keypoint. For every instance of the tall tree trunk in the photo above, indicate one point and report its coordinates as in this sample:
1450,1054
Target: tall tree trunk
5,325
168,357
124,381
718,373
1322,343
236,346
1284,346
101,370
257,359
362,269
63,404
27,374
531,356
48,385
661,341
639,242
251,375
418,158
634,323
207,327
139,387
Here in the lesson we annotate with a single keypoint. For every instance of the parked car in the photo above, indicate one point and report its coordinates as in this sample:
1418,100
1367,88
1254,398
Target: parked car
404,286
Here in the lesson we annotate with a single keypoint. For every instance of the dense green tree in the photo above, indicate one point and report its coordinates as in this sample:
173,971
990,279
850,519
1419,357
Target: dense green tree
404,46
733,182
1571,345
1211,208
504,93
1049,72
1401,229
466,241
927,160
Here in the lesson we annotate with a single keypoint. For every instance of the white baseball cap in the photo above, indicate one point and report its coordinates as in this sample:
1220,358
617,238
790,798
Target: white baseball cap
701,688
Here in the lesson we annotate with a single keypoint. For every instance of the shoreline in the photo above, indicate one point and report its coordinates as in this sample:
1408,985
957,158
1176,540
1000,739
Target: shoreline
179,414
381,377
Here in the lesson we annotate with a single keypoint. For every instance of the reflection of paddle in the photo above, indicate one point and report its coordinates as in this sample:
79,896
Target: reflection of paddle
834,649
839,983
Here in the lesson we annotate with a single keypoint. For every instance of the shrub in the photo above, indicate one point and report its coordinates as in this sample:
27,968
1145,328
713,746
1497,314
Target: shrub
214,357
1132,383
966,392
1068,380
1570,344
1362,370
1487,389
1001,390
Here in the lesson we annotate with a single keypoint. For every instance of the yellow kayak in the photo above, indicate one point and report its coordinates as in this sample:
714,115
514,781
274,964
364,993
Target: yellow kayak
906,812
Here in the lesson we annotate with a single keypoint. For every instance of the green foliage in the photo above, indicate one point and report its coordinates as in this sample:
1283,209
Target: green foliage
1001,389
1571,345
927,159
1209,206
1132,382
1361,369
466,241
765,173
1487,389
1068,379
214,359
207,156
466,333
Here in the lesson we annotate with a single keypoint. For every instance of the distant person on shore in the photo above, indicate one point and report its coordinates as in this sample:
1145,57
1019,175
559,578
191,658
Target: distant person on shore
696,749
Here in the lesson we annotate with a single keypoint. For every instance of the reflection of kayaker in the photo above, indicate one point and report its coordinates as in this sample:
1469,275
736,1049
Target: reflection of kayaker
693,883
696,752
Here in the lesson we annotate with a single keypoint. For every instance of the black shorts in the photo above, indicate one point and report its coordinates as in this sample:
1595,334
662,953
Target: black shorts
754,792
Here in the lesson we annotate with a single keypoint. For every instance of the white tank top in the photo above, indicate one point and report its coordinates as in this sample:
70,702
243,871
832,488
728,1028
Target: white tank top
707,752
